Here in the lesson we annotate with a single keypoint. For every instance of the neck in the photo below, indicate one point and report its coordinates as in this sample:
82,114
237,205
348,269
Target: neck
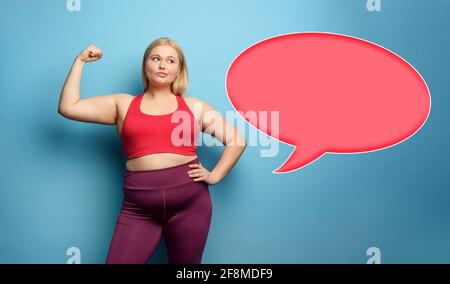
158,91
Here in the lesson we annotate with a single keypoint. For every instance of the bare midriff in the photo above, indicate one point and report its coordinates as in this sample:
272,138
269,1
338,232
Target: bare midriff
157,161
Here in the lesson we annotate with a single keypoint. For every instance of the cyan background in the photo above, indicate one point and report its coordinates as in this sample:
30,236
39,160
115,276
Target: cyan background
60,183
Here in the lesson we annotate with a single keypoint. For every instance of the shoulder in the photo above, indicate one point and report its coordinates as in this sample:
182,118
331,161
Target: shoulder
193,102
123,99
191,99
123,96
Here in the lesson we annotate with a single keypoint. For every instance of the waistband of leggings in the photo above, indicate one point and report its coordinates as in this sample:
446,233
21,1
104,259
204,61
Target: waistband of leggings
165,177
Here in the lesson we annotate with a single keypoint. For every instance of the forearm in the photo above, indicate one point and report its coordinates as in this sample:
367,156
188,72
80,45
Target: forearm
70,93
230,155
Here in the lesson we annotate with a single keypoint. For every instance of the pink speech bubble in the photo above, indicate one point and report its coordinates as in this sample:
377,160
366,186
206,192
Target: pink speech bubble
334,94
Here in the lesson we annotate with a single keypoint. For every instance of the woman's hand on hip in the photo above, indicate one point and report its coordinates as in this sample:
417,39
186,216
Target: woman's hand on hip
199,173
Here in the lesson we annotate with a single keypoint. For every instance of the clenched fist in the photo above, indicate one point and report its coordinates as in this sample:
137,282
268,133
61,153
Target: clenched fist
91,53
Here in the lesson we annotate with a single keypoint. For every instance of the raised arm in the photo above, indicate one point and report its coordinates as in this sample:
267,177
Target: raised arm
99,109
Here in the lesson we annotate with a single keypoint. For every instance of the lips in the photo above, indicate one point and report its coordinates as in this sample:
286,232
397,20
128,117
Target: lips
162,74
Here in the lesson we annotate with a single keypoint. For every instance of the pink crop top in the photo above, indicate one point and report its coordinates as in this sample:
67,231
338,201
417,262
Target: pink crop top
144,134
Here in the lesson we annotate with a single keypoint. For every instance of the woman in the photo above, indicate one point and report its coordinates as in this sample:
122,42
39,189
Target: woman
166,189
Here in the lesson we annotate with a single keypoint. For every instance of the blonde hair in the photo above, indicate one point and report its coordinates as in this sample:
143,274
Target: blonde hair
180,84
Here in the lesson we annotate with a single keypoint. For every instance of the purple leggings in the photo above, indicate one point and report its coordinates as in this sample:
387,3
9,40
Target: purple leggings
162,202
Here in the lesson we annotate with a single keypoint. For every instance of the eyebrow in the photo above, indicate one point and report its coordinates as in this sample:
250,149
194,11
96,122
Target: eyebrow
159,55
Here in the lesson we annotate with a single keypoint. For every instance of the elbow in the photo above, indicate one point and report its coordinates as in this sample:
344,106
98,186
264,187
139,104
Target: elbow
238,141
242,141
65,108
60,111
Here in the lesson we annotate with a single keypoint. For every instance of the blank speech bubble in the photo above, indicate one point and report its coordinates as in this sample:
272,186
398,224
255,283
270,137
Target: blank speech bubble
334,93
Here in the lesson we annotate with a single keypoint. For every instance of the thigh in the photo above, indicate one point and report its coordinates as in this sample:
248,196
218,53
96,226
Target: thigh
134,240
186,229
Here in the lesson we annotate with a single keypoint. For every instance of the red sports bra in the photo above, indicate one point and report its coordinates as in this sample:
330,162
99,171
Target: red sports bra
143,134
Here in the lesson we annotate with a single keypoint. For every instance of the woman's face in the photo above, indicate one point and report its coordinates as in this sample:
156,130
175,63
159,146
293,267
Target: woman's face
162,65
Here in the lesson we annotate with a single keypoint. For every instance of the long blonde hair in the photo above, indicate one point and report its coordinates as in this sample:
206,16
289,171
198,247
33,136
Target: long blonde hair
180,85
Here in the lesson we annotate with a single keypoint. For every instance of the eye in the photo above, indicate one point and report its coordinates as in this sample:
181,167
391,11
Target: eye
153,58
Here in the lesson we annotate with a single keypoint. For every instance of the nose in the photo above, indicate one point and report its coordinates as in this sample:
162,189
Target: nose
162,65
